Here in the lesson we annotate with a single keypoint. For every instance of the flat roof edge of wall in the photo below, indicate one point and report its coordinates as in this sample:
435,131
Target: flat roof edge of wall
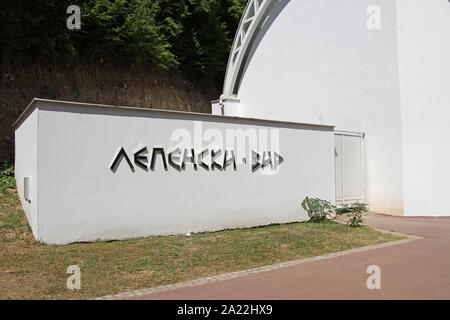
34,103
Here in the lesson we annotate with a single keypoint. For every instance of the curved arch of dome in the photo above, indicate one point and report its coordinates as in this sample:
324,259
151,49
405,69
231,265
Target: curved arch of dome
254,14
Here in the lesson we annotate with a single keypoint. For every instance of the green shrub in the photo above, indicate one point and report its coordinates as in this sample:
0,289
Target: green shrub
318,209
355,211
7,180
193,36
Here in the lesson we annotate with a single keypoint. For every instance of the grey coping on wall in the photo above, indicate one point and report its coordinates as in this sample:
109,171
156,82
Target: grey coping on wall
89,107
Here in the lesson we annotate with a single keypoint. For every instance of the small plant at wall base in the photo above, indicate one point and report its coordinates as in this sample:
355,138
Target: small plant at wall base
318,210
355,211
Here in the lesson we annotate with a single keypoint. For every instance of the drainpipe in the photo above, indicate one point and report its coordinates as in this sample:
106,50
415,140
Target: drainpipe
222,106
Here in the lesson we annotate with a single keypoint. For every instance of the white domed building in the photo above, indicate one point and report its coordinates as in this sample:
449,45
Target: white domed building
378,70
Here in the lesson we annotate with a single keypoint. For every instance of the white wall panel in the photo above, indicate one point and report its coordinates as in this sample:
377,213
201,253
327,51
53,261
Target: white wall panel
82,199
316,61
424,51
26,163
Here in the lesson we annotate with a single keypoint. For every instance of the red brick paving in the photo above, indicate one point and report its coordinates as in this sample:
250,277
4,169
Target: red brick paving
419,269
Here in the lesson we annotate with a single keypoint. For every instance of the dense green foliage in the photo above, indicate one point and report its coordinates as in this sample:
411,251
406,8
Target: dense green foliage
191,35
6,177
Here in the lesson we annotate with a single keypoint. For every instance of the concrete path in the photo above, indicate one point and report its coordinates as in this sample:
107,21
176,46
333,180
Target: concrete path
419,269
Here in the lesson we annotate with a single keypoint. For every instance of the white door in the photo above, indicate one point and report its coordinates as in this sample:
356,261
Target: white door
349,167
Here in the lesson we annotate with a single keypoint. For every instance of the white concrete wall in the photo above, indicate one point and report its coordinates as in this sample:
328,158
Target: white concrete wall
216,108
424,53
316,61
26,136
81,199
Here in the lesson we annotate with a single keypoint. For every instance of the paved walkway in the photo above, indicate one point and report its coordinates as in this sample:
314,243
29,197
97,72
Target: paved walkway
419,269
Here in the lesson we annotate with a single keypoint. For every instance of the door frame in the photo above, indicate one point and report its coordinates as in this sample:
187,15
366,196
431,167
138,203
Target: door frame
345,200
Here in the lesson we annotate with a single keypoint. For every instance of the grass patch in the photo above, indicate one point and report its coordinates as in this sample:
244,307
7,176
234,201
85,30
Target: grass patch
31,270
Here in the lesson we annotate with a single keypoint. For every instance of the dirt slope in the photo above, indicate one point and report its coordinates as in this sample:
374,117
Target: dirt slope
107,84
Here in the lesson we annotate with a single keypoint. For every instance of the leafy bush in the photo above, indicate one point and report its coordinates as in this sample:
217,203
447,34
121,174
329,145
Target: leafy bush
355,211
7,177
318,210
